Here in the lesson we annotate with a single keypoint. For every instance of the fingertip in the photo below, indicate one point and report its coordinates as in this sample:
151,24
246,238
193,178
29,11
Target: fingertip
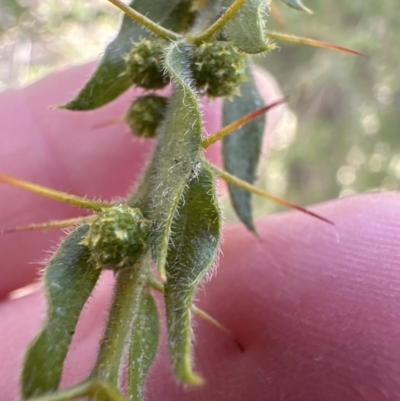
22,319
317,308
58,149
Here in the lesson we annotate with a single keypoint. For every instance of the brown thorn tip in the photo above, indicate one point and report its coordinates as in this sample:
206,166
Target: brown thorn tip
310,213
311,42
228,129
263,109
9,231
105,124
251,188
239,345
15,230
52,224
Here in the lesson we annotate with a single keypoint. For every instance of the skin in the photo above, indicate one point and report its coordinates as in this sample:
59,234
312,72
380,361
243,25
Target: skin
316,307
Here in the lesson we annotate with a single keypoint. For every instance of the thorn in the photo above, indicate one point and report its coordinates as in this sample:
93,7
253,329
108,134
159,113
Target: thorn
53,194
303,210
205,316
49,225
251,188
105,124
278,15
239,123
311,42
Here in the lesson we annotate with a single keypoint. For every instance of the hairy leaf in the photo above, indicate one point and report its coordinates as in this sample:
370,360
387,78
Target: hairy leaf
129,288
144,341
178,151
192,251
69,280
109,80
297,5
246,28
241,150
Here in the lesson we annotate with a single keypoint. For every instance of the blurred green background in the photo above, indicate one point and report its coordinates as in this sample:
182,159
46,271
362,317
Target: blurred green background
340,135
41,36
344,134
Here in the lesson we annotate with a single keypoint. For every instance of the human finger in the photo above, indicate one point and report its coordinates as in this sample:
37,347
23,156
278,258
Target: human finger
62,150
315,307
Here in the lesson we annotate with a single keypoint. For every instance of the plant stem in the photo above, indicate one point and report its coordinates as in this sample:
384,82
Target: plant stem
146,22
125,305
219,23
92,387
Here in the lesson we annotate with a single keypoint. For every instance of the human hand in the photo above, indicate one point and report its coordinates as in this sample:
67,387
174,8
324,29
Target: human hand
316,308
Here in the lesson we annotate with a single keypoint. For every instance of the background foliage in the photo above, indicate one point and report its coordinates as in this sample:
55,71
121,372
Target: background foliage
345,108
340,133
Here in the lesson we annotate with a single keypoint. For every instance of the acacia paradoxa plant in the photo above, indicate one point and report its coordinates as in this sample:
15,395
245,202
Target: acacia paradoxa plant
171,219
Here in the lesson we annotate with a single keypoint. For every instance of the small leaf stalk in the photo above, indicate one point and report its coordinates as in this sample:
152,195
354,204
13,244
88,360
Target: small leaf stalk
165,235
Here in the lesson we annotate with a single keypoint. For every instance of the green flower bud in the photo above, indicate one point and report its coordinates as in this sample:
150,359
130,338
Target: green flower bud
144,64
117,238
146,114
218,68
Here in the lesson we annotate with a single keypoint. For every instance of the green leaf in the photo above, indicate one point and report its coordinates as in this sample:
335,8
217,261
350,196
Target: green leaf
130,284
208,14
242,149
69,280
178,151
109,80
144,341
193,247
246,28
297,5
182,17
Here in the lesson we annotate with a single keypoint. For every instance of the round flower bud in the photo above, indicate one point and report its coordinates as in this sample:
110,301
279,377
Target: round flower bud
218,68
144,64
117,238
146,114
